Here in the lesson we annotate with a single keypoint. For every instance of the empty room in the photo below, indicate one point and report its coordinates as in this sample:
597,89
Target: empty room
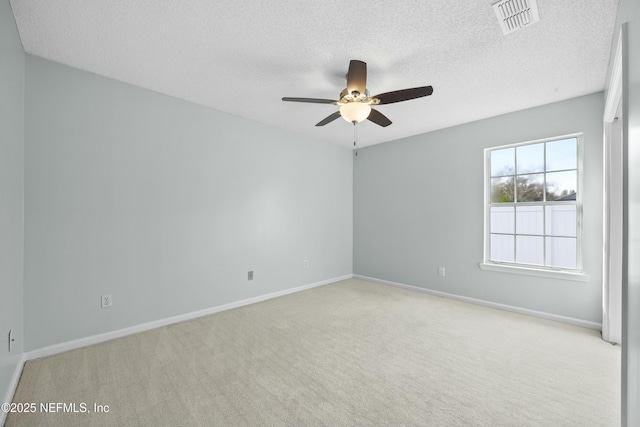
298,213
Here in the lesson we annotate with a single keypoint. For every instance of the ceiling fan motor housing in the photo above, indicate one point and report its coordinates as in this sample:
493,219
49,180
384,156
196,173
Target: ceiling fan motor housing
355,96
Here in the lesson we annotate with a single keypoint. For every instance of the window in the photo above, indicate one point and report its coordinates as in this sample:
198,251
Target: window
533,206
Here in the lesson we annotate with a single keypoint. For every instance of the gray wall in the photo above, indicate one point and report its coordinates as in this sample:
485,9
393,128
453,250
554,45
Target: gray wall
629,12
165,205
12,65
418,204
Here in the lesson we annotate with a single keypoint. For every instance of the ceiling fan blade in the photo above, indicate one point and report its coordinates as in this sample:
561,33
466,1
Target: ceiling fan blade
329,119
378,118
357,76
311,100
404,94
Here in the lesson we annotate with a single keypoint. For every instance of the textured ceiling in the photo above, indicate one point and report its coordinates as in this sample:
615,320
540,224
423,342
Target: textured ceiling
243,56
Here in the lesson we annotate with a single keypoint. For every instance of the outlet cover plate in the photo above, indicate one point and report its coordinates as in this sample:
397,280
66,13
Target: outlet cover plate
106,301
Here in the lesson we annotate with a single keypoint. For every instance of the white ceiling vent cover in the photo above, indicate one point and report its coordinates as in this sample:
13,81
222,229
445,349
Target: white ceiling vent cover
516,14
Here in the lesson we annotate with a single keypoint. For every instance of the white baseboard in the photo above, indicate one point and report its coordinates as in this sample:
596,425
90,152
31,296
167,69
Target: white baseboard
95,339
12,386
541,314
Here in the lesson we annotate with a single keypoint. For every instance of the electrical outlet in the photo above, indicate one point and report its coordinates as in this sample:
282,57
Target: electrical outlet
441,271
250,275
105,301
306,263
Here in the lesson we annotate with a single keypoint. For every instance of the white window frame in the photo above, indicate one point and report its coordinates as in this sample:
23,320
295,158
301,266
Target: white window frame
513,267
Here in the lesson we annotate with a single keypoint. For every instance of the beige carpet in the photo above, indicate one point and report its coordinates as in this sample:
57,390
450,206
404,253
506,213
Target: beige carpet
350,353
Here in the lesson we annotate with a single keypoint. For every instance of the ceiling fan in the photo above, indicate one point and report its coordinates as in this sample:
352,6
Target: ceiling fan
355,102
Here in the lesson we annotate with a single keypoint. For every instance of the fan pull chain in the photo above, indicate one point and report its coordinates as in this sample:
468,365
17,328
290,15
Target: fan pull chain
355,137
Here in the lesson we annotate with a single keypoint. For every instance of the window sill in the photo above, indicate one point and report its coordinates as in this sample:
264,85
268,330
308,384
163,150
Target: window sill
564,275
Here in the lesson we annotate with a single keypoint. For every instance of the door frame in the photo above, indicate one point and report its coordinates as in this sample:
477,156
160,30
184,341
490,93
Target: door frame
614,171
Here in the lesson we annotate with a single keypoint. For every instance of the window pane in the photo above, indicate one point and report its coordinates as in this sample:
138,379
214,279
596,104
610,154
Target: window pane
561,252
530,187
530,158
561,186
529,220
561,220
503,162
502,190
562,154
502,220
533,207
502,248
529,250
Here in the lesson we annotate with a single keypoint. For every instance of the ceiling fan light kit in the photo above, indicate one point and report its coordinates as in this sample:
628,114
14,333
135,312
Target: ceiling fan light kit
355,102
355,112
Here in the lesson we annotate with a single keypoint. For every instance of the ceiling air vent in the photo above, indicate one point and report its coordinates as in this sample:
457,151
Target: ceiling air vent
516,14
